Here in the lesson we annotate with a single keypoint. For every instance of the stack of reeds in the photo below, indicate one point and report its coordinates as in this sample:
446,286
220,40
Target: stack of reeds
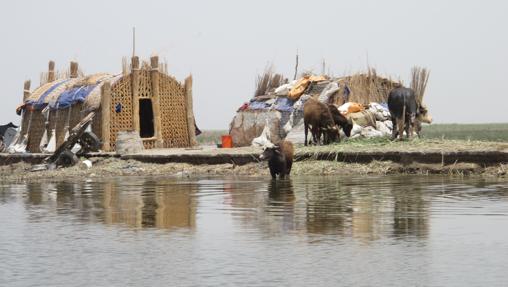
419,79
59,75
366,87
268,81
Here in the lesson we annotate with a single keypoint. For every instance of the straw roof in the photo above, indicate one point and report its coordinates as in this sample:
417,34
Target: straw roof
93,101
53,96
38,92
57,87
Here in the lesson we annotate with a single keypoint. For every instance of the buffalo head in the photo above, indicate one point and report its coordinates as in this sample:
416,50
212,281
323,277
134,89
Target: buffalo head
424,115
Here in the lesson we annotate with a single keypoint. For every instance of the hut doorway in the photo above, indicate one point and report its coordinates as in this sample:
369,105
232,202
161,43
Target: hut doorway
146,129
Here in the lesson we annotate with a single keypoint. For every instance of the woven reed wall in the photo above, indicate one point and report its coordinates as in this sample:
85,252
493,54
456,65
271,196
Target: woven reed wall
53,118
97,124
62,116
145,84
173,113
122,121
76,115
24,122
36,130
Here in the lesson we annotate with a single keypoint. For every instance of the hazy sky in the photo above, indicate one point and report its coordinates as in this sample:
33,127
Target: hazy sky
226,44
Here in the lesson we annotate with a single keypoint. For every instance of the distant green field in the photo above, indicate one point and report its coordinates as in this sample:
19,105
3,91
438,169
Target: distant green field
481,132
210,137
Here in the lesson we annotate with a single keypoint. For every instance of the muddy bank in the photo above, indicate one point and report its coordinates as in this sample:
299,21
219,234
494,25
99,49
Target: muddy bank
112,167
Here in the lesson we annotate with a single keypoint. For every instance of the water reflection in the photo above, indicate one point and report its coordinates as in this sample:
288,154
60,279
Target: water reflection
281,192
146,203
327,208
395,207
410,212
437,231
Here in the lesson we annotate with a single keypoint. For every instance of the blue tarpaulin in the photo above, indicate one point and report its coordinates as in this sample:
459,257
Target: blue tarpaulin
39,104
284,104
258,105
73,96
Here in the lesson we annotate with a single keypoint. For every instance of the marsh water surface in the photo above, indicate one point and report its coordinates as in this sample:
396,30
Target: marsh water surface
306,231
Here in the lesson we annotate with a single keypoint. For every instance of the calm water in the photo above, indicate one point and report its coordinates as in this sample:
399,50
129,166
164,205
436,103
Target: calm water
316,231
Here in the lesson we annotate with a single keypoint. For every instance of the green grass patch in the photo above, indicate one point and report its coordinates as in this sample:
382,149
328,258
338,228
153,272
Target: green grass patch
480,132
467,132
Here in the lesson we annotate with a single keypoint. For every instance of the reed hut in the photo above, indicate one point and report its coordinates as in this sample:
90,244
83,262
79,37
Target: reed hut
143,98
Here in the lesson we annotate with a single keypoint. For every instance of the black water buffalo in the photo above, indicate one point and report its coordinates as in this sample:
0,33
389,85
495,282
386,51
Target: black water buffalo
406,113
318,118
280,158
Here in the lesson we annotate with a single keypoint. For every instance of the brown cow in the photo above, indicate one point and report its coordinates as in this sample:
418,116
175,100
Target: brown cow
318,118
340,120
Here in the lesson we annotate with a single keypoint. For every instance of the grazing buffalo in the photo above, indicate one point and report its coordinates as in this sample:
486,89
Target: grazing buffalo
280,158
340,120
318,118
406,113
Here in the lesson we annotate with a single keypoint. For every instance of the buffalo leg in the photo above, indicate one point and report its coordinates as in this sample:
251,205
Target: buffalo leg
400,128
273,173
282,170
394,128
315,134
306,128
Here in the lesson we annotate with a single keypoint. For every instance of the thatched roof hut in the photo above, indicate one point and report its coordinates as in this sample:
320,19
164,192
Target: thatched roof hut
144,99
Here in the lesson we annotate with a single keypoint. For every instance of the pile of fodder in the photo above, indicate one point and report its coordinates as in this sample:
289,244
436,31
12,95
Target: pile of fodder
268,81
419,80
364,88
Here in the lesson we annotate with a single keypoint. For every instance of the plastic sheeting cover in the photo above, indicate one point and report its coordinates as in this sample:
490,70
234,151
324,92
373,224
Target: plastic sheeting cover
40,104
284,104
72,96
258,105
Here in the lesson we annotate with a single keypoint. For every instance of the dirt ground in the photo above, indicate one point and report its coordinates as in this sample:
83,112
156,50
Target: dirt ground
112,167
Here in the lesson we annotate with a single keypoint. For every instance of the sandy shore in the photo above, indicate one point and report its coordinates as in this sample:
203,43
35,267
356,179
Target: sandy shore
114,166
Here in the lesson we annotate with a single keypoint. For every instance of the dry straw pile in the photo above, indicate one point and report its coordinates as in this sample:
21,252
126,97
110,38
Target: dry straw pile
365,88
268,81
419,79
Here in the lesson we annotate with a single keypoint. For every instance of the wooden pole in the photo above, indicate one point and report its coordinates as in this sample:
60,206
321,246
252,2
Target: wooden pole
26,90
296,66
133,41
106,116
74,69
155,78
135,92
190,113
51,71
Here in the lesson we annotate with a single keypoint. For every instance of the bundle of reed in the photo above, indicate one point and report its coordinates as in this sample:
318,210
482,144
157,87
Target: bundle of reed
364,88
43,78
268,81
368,87
163,67
125,66
145,65
419,79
